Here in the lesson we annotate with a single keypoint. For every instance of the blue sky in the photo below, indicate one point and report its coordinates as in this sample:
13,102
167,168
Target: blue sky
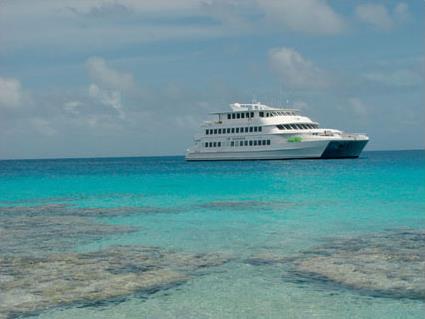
135,78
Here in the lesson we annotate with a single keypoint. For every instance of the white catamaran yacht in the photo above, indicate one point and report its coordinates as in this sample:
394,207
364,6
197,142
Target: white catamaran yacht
259,132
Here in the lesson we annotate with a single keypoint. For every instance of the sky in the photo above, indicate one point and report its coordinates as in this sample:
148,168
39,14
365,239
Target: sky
137,78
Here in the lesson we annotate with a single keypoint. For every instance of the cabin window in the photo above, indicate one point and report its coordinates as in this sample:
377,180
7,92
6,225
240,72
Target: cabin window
238,115
260,129
268,142
280,127
207,132
233,115
261,114
246,143
232,143
264,142
252,114
233,130
246,129
243,115
219,144
210,143
228,130
206,144
237,130
215,144
215,131
251,129
255,142
250,143
255,129
219,131
228,116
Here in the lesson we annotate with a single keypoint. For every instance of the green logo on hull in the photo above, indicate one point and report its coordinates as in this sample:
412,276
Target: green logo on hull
295,139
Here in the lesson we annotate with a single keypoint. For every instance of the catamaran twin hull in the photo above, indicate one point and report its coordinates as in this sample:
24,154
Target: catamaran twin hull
259,132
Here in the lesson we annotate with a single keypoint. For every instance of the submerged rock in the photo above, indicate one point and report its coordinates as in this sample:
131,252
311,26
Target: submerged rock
32,284
265,258
389,264
69,210
246,205
41,235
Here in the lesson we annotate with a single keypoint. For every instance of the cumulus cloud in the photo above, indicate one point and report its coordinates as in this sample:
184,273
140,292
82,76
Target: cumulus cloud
108,97
310,16
380,17
295,71
11,93
108,84
107,77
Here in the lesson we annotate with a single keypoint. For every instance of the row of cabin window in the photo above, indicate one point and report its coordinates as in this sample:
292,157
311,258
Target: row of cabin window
296,126
275,113
250,143
240,115
212,144
239,143
233,130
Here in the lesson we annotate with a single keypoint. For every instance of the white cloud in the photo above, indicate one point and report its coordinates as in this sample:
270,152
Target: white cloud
401,11
72,107
295,71
108,97
42,126
108,84
397,78
310,16
107,77
380,17
11,93
374,14
98,25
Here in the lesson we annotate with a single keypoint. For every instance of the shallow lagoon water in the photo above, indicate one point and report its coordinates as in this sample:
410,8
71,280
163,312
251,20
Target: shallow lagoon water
256,226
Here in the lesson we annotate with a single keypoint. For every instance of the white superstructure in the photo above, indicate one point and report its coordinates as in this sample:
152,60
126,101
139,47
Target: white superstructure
257,131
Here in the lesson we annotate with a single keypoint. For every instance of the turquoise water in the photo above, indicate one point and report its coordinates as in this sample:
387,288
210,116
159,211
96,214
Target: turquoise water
240,209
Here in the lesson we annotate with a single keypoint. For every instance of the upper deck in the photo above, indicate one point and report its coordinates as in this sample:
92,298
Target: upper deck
257,114
252,109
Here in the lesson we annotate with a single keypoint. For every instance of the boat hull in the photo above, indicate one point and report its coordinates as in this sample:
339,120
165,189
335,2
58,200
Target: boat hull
305,150
344,149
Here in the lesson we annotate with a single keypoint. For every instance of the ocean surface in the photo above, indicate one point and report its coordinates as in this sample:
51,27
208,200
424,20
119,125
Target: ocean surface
163,238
